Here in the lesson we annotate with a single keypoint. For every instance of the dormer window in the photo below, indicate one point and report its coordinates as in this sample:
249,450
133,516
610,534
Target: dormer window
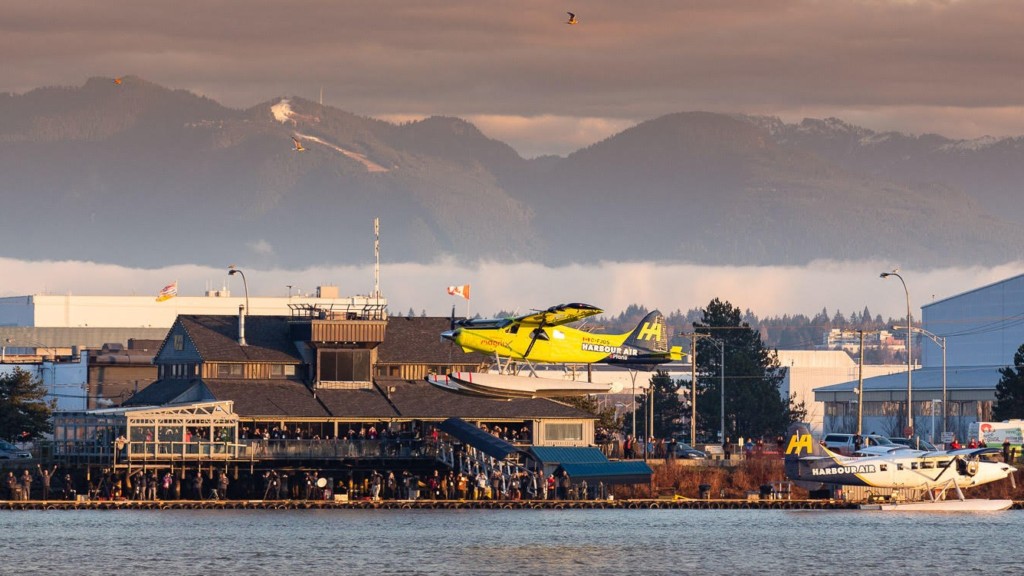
229,370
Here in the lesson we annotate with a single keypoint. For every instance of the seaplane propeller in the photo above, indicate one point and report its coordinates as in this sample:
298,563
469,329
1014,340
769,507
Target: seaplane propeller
538,333
946,467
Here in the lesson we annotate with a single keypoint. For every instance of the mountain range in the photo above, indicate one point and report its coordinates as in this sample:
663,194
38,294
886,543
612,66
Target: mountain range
137,174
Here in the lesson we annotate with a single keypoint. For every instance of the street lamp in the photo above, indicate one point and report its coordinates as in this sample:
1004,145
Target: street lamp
632,401
720,344
910,336
940,341
232,270
693,383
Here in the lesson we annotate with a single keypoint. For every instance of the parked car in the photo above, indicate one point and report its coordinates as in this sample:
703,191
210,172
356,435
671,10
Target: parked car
915,443
9,451
684,450
843,443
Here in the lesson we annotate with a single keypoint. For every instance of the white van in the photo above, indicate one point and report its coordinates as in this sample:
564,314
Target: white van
843,443
993,434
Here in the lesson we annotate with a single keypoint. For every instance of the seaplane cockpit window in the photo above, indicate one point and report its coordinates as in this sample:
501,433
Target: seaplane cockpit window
927,464
914,466
942,463
514,329
899,466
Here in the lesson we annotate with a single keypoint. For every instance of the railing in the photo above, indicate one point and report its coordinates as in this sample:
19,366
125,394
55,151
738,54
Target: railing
101,453
181,451
339,448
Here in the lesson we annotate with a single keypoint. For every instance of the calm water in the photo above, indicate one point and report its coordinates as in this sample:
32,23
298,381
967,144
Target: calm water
507,542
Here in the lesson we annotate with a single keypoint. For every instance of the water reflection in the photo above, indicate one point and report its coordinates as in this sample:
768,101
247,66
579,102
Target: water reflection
469,542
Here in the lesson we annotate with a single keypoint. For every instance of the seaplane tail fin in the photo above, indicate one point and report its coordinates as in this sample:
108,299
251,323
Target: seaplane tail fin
799,445
650,335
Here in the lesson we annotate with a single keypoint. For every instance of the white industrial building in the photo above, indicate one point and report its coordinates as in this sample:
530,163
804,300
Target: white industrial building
807,370
49,335
981,331
72,311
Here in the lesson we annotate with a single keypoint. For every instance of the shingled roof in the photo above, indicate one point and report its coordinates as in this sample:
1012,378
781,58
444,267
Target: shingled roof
413,340
160,392
216,338
254,398
367,403
418,399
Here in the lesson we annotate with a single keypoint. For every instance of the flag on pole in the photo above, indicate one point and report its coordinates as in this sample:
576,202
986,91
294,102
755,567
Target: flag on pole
459,291
169,291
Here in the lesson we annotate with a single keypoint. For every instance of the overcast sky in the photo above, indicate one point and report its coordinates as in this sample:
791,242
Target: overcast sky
523,75
519,71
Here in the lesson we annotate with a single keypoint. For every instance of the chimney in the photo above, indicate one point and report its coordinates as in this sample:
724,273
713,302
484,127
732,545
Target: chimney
241,324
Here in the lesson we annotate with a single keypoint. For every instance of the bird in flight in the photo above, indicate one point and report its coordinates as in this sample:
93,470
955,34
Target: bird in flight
298,145
572,18
118,81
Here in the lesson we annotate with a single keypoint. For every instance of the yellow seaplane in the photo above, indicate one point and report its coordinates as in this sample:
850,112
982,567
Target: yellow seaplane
543,337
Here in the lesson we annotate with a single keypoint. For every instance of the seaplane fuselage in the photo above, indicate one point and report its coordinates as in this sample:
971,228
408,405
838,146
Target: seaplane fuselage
544,338
900,469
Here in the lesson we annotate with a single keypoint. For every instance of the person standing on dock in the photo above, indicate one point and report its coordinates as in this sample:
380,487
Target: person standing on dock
152,484
69,488
375,481
197,485
44,477
13,488
26,485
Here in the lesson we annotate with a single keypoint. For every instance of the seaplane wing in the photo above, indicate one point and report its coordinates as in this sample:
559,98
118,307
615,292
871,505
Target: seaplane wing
809,463
560,314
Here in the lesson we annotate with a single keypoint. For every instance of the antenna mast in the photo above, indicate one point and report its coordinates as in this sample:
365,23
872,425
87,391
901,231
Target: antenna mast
376,257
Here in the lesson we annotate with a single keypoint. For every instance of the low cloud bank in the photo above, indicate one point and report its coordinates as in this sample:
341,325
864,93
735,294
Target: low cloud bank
765,290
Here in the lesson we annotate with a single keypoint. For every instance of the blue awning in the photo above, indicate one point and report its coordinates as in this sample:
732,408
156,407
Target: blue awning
567,454
621,472
491,445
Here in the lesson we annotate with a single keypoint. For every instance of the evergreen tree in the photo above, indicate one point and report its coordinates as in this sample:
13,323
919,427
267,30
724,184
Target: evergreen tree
24,412
1010,390
667,406
604,413
753,404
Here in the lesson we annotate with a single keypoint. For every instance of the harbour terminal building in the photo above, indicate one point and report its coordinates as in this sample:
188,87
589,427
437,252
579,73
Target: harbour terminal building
964,340
306,384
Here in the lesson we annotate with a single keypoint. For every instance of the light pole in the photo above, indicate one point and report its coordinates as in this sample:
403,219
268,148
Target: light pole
720,344
232,270
693,384
910,336
940,341
632,403
721,350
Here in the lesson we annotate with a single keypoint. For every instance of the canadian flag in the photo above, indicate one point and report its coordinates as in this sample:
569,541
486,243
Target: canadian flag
459,291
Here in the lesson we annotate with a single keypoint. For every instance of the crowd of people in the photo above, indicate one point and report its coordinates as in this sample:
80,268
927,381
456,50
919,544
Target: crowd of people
153,484
20,487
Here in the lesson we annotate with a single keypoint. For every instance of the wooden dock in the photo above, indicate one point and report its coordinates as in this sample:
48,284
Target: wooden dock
646,504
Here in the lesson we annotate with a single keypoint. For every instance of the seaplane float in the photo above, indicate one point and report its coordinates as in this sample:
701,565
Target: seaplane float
919,479
543,337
